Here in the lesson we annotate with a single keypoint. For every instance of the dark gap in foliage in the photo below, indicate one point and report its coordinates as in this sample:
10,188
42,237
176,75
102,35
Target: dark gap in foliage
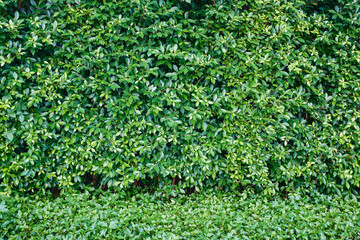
91,178
322,6
55,191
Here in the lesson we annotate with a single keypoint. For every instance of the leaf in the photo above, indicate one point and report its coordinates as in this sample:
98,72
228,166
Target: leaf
55,24
3,208
9,136
113,224
204,126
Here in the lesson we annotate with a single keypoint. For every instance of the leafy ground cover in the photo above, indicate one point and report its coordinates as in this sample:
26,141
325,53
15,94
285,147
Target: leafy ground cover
205,216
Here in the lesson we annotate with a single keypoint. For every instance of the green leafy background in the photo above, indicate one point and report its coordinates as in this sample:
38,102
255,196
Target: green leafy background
258,95
206,216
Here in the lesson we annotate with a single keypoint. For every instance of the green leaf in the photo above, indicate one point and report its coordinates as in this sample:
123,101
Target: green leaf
9,136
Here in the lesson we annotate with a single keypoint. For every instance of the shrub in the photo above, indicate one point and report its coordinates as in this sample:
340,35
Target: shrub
206,216
257,95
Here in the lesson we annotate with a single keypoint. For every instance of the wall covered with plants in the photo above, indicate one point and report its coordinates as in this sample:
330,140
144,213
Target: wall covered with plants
258,95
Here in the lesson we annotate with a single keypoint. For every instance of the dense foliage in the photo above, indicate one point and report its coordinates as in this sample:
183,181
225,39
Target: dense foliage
201,217
261,95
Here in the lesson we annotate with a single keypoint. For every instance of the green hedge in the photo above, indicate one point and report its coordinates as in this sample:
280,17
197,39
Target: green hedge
208,216
258,95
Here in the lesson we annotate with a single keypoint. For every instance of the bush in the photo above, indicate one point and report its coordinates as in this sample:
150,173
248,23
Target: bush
208,216
256,95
